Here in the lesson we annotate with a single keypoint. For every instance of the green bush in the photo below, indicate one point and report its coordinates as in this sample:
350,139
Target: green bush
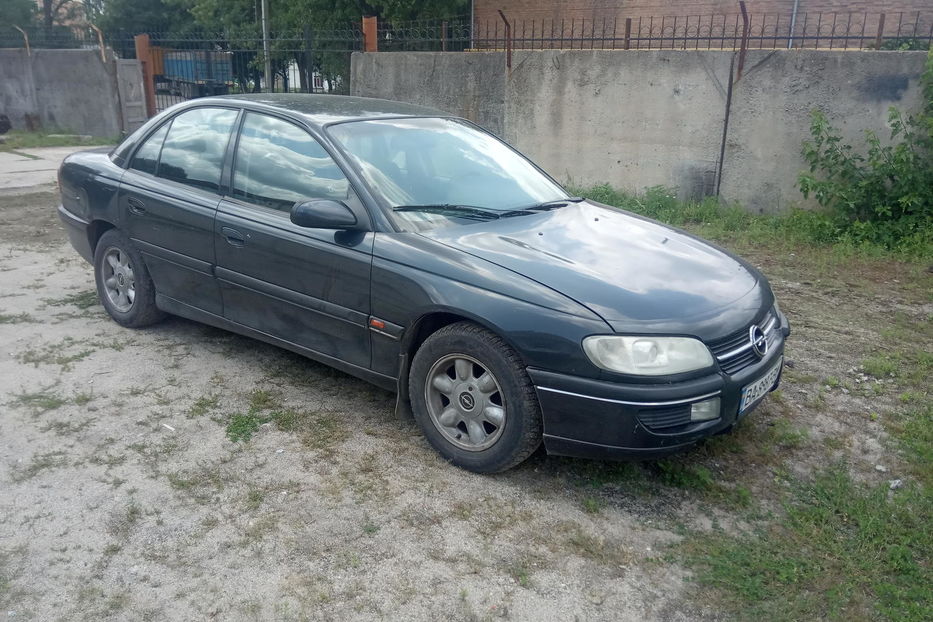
884,197
712,218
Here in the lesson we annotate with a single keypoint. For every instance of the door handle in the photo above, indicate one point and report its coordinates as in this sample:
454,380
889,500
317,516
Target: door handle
135,205
234,237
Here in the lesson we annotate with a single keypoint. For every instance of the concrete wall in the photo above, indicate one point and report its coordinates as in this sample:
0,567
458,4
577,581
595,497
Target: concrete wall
771,107
471,84
71,90
639,119
636,119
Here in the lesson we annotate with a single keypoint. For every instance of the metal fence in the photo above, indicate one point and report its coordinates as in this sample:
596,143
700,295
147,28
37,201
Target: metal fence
318,61
306,61
842,31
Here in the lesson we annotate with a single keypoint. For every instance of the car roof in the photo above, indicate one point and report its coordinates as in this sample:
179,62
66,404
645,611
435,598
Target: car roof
323,109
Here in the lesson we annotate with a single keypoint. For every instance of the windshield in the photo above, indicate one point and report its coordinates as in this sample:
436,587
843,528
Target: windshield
442,165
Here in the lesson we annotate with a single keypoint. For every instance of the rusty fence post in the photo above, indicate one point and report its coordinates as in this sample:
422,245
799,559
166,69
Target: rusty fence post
878,39
508,41
443,36
370,34
744,46
100,44
25,39
628,34
144,56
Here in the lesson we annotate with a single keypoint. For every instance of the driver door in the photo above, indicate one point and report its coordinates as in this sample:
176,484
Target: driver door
310,287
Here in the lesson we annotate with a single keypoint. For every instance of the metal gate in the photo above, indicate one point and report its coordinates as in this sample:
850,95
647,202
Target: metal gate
179,67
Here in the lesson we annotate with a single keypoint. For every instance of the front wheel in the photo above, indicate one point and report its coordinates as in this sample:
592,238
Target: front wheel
473,399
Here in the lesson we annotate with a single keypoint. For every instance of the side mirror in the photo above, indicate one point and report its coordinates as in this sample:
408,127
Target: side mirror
323,214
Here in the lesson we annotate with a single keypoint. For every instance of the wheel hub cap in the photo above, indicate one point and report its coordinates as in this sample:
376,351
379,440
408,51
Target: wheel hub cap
465,402
119,279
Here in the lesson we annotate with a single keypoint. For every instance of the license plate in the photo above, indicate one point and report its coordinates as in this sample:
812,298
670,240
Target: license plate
753,392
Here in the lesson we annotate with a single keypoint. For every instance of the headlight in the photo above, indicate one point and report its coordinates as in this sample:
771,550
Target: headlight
647,356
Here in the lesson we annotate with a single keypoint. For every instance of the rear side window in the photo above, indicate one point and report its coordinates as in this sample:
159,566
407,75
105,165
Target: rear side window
193,152
279,164
147,156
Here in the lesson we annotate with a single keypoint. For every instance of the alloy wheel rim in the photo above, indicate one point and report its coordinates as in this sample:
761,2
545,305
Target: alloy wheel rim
119,279
465,402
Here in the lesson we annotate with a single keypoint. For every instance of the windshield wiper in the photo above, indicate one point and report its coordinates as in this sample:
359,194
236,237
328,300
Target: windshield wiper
464,211
549,205
542,207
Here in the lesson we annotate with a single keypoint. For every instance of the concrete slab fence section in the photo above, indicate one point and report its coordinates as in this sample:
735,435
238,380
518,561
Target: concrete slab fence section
68,90
636,119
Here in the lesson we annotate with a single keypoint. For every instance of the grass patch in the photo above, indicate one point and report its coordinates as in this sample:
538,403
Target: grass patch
716,220
592,505
242,427
880,366
18,139
81,300
38,464
260,399
40,402
685,475
203,405
65,353
16,318
913,432
843,551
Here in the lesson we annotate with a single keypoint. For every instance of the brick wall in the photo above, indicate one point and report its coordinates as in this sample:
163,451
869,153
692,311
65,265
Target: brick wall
767,15
598,9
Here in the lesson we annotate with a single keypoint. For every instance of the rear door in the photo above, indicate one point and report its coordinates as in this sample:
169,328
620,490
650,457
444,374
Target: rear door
307,286
168,200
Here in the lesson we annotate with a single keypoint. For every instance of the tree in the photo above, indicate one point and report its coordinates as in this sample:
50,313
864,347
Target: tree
57,12
136,16
17,12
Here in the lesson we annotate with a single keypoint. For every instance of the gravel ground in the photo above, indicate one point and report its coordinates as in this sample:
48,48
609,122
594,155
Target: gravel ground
124,497
185,473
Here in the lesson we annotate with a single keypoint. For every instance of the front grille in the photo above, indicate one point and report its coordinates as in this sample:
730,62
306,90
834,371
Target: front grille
739,361
661,418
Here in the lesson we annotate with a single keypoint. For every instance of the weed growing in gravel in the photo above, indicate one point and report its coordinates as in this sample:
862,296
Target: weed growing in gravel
879,366
203,405
592,505
241,427
82,399
520,573
254,498
17,318
68,427
38,464
260,399
40,401
81,300
64,353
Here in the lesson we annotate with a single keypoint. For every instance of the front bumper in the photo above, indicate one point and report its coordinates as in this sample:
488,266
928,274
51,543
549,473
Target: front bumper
597,419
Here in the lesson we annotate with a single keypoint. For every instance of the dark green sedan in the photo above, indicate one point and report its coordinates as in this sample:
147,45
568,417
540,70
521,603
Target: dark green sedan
415,250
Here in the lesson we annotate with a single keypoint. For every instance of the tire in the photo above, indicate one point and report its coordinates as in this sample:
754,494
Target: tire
459,415
124,286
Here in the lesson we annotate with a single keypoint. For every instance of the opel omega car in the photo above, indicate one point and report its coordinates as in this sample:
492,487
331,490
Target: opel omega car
415,250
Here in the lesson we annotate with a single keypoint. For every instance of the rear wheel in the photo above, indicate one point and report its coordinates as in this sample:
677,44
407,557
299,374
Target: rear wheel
473,399
123,283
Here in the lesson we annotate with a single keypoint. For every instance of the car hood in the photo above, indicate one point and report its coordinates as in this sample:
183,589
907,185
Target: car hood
637,274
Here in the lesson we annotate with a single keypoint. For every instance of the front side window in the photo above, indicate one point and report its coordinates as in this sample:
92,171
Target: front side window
279,164
442,162
193,153
146,159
